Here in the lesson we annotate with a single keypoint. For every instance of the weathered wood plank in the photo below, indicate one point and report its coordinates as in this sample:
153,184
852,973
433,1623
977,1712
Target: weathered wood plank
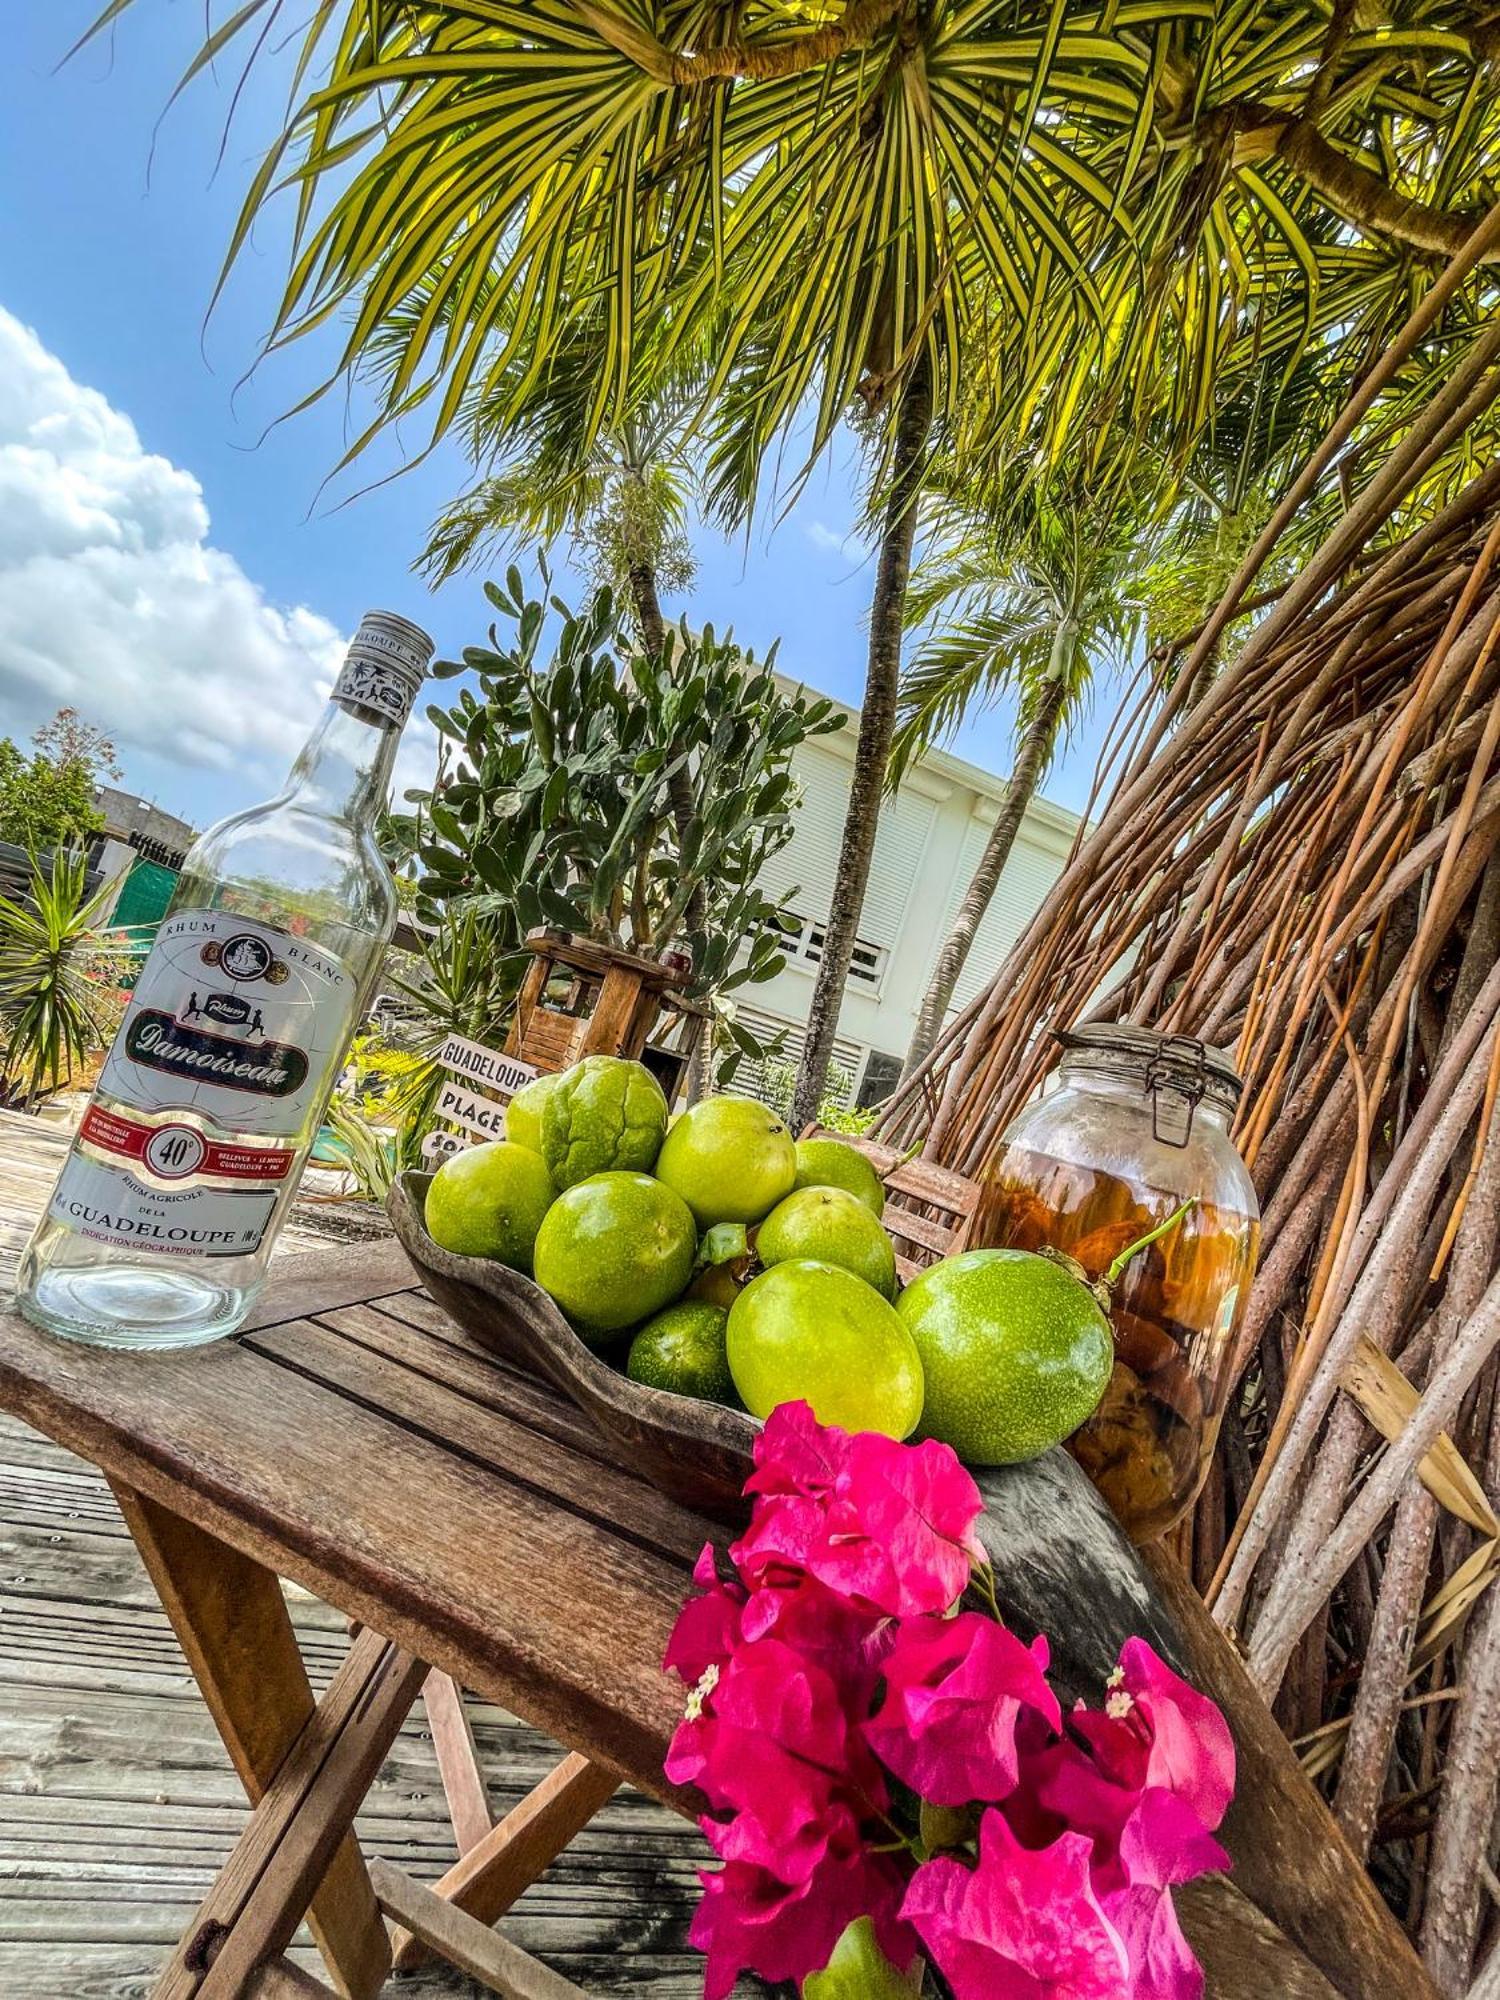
493,1960
282,1980
254,1908
458,1761
460,1406
117,1802
485,1881
506,1590
233,1628
298,1290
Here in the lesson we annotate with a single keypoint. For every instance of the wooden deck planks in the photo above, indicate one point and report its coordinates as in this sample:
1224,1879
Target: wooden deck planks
117,1801
118,1804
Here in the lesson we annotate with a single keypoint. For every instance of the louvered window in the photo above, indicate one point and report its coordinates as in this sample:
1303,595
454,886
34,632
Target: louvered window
802,938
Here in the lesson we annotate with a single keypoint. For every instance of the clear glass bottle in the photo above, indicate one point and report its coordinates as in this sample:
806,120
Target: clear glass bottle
188,1156
1139,1123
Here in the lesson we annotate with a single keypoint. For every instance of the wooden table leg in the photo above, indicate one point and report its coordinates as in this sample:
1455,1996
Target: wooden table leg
231,1622
458,1761
485,1882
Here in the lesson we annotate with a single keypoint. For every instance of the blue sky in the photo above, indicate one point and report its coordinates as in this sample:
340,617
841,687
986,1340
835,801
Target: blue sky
167,560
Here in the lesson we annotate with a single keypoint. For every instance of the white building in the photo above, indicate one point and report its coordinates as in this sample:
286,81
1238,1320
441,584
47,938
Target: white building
932,833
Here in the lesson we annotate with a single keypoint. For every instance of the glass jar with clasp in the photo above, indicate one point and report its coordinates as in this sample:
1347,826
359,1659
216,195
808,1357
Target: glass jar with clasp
1137,1125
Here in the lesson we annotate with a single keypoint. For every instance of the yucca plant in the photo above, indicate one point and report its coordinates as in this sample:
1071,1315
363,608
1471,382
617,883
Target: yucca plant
49,1009
986,219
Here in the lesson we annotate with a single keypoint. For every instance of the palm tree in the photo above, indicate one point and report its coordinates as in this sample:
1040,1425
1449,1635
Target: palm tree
1098,216
1028,605
624,506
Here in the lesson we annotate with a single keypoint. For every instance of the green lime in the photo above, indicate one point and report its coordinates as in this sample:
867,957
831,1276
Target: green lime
1016,1351
814,1333
830,1223
489,1201
523,1115
682,1349
730,1158
860,1970
604,1115
830,1163
615,1249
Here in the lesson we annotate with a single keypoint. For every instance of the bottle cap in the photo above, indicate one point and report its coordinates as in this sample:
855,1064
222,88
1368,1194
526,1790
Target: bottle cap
384,667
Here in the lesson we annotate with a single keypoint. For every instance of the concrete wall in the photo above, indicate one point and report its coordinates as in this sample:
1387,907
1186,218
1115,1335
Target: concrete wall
126,815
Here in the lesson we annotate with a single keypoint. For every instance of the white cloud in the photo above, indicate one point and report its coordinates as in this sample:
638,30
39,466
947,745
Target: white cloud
114,600
823,537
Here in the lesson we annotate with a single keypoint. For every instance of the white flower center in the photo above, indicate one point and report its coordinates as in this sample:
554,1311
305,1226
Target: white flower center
708,1681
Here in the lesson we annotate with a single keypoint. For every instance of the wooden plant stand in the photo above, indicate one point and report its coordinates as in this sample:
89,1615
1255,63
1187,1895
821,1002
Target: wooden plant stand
612,1002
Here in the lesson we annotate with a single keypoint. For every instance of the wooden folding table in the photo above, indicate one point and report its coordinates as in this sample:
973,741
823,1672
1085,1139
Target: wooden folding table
482,1535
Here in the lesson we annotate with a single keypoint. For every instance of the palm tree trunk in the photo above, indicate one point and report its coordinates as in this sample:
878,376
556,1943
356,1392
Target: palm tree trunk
648,617
872,751
1032,754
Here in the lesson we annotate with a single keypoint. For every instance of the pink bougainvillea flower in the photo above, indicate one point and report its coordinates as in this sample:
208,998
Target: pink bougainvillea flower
1063,1787
882,1524
749,1921
770,1743
795,1454
1154,1734
1163,1842
1162,1965
708,1627
1190,1750
848,1641
955,1690
1025,1923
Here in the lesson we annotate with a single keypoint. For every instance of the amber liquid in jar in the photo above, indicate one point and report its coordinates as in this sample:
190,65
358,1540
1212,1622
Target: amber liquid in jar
1176,1308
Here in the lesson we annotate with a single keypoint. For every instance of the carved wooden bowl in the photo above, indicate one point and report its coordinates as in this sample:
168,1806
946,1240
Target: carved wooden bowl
697,1453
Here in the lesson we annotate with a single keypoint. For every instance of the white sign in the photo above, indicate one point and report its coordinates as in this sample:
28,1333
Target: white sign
489,1067
467,1108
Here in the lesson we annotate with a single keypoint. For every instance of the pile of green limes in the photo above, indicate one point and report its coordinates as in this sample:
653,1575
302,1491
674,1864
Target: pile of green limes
713,1256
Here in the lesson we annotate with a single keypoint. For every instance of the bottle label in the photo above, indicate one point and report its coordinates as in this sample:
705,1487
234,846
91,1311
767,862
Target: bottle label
110,1205
239,1026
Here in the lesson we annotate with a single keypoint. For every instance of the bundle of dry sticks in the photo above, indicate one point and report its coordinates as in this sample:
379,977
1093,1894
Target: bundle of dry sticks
1303,864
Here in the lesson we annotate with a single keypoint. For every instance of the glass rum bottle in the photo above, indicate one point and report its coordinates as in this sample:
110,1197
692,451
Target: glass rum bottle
188,1156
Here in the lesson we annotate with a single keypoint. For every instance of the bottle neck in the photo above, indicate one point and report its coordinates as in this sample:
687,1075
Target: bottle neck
344,769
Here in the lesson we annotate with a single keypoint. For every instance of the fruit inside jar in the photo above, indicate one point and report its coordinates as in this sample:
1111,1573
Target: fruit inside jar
1175,1310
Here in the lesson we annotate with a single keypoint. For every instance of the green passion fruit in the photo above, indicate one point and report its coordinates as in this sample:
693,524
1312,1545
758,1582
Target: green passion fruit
604,1115
833,1225
615,1249
489,1201
730,1158
825,1162
1016,1352
807,1331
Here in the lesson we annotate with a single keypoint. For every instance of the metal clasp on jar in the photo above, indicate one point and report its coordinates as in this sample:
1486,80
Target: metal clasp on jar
1173,1105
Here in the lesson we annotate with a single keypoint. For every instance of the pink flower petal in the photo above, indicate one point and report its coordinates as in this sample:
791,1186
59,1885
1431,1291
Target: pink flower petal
1162,1965
955,1690
885,1525
1191,1749
748,1921
708,1627
1024,1924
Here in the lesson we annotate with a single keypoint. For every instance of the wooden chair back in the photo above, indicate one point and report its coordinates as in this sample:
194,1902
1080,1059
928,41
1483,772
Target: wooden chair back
927,1209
